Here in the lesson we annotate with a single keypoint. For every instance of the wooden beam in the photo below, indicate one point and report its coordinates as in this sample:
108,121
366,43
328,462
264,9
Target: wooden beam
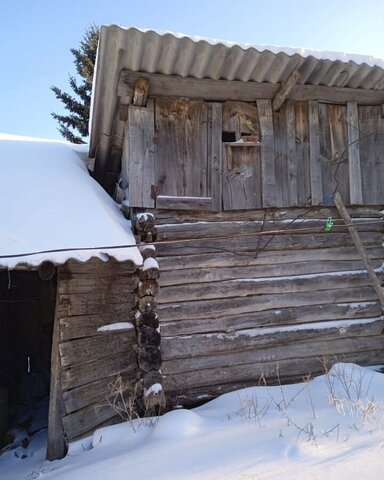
184,203
314,154
215,152
285,90
224,90
355,189
140,93
56,446
268,177
291,148
360,247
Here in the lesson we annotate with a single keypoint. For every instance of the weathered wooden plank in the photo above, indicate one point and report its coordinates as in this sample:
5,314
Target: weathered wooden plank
333,150
92,348
223,90
139,154
236,306
56,447
290,118
77,375
82,326
204,274
267,154
215,154
275,257
87,419
259,243
263,286
181,166
302,154
284,91
184,231
140,93
164,217
314,154
371,125
355,188
94,392
289,360
184,203
85,304
281,157
97,284
257,339
275,317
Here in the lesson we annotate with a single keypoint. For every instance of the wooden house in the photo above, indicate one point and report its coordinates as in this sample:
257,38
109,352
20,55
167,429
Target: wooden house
229,158
68,272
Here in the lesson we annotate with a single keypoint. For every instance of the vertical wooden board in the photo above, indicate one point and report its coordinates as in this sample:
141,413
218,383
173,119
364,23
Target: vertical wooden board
267,154
356,196
333,151
182,164
240,118
371,125
241,178
138,154
281,157
314,154
291,152
302,154
215,150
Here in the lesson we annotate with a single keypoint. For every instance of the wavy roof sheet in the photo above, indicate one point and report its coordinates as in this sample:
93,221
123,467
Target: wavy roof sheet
168,53
52,210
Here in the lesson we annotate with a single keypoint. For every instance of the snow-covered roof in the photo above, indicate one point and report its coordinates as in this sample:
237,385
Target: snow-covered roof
52,210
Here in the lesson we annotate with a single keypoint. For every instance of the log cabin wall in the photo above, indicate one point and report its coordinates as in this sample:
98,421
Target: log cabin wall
87,360
236,306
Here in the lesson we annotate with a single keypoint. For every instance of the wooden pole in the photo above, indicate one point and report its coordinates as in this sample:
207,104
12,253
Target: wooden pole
360,247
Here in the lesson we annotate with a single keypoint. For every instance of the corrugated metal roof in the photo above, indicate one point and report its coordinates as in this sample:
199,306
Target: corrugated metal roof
167,53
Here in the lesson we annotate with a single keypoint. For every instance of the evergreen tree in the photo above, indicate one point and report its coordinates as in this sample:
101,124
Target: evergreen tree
79,105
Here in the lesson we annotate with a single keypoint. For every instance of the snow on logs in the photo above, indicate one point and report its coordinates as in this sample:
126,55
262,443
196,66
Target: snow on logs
147,323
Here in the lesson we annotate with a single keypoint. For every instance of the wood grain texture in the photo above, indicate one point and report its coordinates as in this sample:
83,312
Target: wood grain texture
356,194
314,154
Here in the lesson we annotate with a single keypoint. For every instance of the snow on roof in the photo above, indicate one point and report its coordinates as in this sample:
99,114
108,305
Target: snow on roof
52,210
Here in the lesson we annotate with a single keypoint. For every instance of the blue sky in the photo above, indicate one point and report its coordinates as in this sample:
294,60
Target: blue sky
36,35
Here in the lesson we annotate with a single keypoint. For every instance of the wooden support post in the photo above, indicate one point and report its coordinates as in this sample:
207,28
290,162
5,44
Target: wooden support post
314,154
284,91
360,247
140,93
56,446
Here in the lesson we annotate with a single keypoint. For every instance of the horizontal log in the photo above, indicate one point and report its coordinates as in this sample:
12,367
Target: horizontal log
86,349
95,392
236,306
148,251
87,304
97,266
240,367
257,339
215,274
268,318
224,90
151,378
148,287
225,259
96,284
184,231
184,203
77,375
82,326
78,423
259,243
175,216
147,304
263,286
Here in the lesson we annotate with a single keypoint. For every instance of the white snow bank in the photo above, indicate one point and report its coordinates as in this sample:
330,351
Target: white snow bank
330,428
53,210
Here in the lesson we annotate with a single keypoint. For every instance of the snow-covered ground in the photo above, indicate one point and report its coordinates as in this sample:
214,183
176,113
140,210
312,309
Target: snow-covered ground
331,427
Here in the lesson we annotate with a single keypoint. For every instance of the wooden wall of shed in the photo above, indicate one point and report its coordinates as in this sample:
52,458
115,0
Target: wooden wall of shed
91,295
235,306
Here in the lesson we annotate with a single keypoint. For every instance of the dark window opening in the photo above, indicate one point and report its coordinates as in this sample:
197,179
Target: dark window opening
228,137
